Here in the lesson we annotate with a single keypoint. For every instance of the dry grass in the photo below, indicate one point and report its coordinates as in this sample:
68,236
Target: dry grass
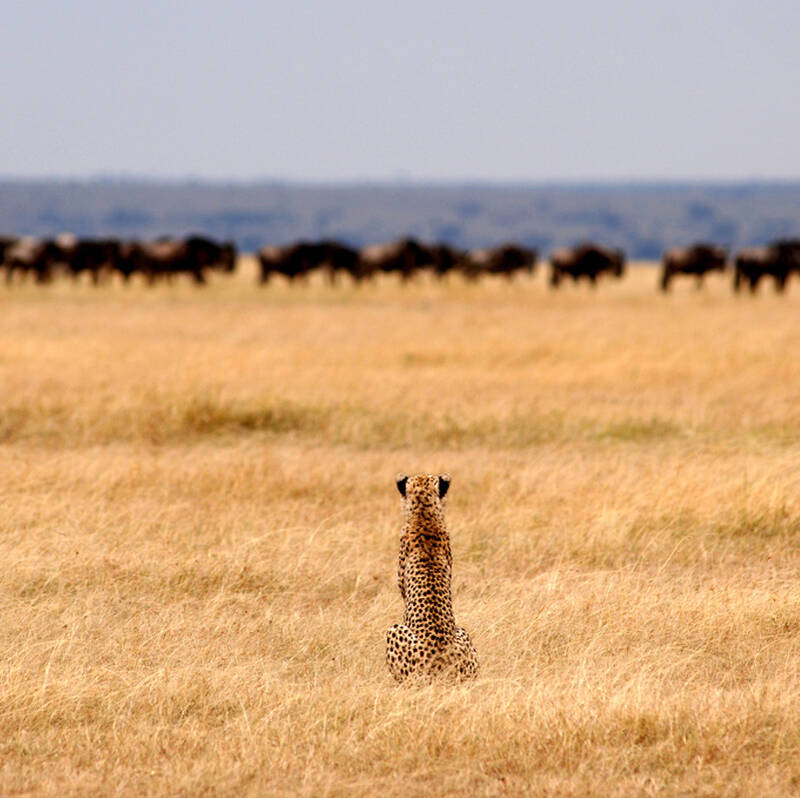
199,530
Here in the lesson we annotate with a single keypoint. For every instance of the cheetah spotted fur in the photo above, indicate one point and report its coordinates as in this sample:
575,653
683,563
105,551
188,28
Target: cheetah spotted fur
428,642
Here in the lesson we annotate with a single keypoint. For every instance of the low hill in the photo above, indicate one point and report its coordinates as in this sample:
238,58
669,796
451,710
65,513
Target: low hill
643,219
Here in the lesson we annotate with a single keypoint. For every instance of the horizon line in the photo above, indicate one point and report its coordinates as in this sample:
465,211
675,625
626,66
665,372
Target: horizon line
399,182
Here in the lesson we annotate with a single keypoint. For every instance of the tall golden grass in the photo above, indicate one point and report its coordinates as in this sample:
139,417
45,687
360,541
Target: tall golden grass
198,526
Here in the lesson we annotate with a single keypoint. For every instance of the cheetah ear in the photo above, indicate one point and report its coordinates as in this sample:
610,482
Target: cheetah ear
444,484
401,484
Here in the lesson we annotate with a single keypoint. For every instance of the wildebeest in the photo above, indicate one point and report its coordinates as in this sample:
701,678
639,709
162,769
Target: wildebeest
208,254
168,257
292,261
88,255
31,255
155,259
777,260
339,258
5,244
586,260
300,259
789,250
404,257
506,260
446,259
269,258
697,260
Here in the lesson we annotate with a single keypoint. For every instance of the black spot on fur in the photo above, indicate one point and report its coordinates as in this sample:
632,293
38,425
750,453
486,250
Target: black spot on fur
428,642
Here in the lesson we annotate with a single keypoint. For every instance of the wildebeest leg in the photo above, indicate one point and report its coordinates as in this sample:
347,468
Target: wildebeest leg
780,283
665,278
198,277
593,280
698,282
754,278
555,277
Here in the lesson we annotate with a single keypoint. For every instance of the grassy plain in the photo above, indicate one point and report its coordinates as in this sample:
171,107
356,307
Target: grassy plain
199,526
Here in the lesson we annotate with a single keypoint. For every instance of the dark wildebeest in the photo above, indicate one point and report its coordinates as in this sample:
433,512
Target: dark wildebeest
32,255
292,261
697,260
789,250
404,257
88,255
778,260
304,257
446,259
506,260
207,253
128,259
339,258
5,243
169,257
586,260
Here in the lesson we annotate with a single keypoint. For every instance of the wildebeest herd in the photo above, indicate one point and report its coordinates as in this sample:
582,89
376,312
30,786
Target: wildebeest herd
43,259
195,256
778,260
406,258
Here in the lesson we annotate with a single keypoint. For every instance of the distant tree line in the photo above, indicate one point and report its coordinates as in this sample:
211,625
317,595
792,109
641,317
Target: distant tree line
644,220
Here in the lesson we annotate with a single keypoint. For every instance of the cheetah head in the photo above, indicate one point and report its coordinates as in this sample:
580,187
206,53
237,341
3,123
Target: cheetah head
424,489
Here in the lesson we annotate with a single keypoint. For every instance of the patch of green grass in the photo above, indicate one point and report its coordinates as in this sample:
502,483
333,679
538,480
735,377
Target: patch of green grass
207,416
636,430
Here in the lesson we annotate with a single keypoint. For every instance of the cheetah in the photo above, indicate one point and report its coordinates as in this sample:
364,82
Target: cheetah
428,642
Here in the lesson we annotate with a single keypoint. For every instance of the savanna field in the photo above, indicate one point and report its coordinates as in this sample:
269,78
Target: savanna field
199,530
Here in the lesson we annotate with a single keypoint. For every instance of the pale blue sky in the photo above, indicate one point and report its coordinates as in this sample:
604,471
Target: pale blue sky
455,90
